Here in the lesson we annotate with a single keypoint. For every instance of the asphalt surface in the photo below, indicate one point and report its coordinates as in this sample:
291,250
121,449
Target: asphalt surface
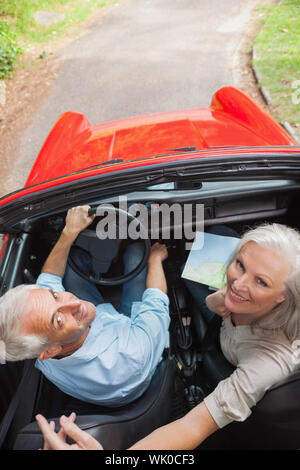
141,57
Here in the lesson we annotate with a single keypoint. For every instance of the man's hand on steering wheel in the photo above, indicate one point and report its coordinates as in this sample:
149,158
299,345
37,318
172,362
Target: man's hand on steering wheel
87,237
77,219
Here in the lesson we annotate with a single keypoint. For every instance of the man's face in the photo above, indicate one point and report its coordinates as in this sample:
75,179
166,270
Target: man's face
60,316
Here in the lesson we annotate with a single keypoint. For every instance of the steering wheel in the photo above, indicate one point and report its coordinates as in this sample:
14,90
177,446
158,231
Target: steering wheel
88,234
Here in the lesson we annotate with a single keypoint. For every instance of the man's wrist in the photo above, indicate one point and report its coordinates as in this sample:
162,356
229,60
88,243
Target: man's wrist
154,261
69,236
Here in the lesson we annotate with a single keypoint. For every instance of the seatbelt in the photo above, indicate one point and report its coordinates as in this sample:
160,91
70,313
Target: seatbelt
11,410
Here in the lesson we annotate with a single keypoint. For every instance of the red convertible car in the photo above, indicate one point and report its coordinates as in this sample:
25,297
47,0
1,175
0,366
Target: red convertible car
231,158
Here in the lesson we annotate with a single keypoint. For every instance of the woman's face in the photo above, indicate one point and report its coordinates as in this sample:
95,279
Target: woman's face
255,281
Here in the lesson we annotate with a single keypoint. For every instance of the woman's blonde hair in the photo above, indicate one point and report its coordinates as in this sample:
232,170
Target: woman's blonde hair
286,242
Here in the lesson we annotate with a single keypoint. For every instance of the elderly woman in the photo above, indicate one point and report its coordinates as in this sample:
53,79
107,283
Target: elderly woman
260,306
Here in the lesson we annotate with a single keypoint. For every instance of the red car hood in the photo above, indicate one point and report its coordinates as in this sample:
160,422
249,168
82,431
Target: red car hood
232,120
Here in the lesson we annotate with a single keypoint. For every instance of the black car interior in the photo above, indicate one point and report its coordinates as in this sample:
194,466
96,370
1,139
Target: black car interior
194,363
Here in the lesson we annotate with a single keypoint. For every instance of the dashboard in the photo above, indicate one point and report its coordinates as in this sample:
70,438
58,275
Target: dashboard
221,202
212,203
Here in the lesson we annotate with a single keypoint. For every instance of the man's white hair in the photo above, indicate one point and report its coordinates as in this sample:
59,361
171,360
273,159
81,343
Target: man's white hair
286,242
14,345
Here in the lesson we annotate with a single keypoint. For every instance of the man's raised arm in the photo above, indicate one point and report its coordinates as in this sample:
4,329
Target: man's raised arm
77,220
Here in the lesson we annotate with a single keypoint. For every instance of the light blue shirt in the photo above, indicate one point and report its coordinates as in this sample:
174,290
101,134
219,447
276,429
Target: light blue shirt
116,362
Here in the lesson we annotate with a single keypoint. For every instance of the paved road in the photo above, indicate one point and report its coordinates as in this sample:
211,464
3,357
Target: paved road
143,56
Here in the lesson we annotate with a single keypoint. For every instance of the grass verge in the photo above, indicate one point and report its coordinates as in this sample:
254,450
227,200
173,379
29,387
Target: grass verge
277,59
19,26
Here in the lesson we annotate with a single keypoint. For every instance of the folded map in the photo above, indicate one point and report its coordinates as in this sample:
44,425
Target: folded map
208,264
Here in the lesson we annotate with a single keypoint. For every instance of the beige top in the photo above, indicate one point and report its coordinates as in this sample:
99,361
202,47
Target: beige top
262,360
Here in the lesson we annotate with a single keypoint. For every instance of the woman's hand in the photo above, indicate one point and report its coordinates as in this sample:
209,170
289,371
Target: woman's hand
57,441
216,302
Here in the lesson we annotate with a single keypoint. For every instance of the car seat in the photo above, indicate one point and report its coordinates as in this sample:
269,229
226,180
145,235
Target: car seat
114,428
274,422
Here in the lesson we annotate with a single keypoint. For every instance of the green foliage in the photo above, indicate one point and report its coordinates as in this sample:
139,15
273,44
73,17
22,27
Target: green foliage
18,26
278,59
8,50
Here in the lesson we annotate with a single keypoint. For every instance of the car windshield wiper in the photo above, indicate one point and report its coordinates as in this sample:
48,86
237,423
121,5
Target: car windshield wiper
183,149
120,160
108,162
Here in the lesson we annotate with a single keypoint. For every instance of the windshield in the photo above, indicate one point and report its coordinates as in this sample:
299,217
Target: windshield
196,189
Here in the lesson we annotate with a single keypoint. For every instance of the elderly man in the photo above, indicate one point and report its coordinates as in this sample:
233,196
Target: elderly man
84,346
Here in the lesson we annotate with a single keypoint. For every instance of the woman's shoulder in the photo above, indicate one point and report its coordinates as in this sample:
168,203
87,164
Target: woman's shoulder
273,345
